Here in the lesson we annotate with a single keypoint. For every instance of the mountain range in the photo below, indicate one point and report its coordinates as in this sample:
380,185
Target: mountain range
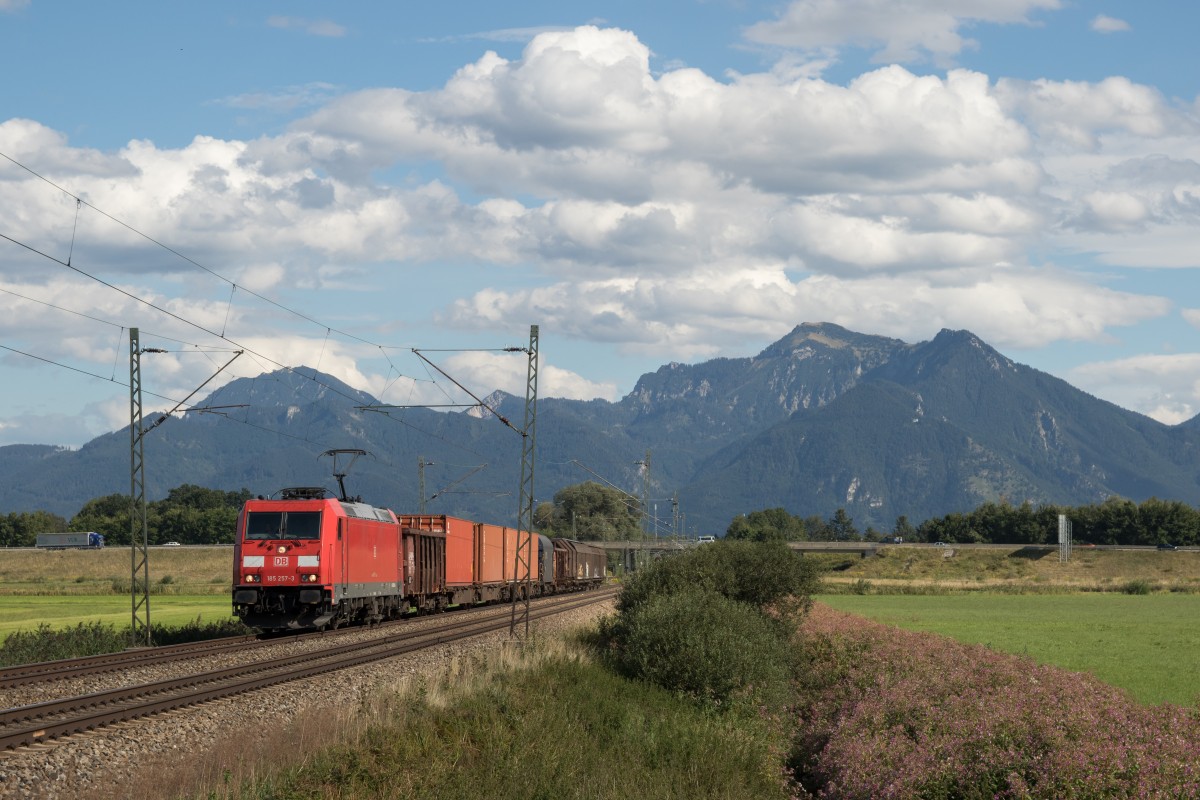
825,418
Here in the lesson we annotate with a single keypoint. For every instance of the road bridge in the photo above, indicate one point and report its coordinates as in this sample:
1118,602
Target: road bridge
667,543
634,550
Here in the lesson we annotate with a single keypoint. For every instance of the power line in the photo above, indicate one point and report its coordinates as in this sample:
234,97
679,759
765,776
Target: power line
233,284
80,202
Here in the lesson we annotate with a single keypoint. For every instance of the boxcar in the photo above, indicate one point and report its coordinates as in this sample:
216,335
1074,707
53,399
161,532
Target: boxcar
578,565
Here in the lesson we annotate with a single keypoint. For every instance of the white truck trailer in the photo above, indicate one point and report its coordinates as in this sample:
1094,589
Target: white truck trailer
85,540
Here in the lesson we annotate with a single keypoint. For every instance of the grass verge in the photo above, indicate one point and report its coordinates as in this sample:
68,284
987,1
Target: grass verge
544,722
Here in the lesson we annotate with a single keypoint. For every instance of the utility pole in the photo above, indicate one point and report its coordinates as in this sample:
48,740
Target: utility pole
523,568
139,529
675,515
139,550
647,522
421,465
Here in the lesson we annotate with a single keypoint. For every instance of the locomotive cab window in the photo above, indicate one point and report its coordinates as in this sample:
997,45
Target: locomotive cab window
283,525
302,524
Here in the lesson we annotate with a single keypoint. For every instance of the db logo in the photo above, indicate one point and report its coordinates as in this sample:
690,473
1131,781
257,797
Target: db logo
281,561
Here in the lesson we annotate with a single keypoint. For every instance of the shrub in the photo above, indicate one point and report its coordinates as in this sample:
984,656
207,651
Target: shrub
1138,586
758,574
46,644
197,631
701,643
96,638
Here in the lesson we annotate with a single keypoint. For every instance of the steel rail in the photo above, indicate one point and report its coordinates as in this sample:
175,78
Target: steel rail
23,674
63,669
41,722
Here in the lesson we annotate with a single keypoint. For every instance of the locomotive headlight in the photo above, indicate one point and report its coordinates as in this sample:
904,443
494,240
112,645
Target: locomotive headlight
283,548
312,578
251,579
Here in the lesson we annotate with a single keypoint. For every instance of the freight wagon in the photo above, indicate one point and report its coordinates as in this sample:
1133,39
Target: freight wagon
88,540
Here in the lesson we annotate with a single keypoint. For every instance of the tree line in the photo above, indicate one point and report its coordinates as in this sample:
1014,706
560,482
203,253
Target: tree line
188,514
589,511
191,514
1116,521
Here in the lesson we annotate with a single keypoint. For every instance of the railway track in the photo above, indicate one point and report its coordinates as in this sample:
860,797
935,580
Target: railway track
28,725
66,668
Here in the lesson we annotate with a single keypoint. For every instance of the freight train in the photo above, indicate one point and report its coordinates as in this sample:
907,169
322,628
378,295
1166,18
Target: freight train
310,560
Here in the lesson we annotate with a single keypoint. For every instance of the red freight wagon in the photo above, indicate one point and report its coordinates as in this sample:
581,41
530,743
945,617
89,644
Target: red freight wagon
480,558
532,551
491,554
424,567
460,544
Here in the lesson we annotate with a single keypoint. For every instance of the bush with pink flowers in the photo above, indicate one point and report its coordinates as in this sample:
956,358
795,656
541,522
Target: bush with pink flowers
887,713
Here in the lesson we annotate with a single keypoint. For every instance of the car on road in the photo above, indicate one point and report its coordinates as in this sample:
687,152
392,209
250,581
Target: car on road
1167,546
939,544
171,544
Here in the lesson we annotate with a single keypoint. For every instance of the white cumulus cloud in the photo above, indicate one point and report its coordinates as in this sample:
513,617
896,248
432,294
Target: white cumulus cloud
1102,23
668,213
1165,387
903,30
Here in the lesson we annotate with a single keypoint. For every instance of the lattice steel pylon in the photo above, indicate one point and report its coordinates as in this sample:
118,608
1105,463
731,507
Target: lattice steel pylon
522,570
649,523
421,464
1064,538
139,546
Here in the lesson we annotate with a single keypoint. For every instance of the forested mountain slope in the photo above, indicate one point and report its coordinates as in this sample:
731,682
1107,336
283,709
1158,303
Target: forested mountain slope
823,419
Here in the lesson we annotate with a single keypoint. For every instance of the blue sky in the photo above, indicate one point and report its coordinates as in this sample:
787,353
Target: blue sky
333,185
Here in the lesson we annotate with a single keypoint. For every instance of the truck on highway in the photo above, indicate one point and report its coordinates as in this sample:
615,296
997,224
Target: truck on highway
85,540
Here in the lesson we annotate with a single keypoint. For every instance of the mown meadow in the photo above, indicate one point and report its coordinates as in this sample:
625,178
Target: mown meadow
64,588
63,603
1146,644
172,571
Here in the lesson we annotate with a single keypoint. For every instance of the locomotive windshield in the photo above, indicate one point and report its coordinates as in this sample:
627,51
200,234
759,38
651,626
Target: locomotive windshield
283,525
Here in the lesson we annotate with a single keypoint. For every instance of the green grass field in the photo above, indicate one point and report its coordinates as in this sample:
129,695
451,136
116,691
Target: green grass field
1147,644
26,613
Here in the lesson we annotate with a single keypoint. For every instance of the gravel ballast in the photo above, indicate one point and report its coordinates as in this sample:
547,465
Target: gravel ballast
135,759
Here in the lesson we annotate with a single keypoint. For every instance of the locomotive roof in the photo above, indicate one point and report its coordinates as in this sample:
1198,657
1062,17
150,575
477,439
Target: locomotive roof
366,511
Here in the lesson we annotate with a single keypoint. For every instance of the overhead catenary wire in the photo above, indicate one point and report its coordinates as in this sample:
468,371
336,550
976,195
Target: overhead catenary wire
164,311
481,403
80,203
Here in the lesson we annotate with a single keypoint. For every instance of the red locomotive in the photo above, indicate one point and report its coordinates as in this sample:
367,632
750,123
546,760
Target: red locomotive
310,560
